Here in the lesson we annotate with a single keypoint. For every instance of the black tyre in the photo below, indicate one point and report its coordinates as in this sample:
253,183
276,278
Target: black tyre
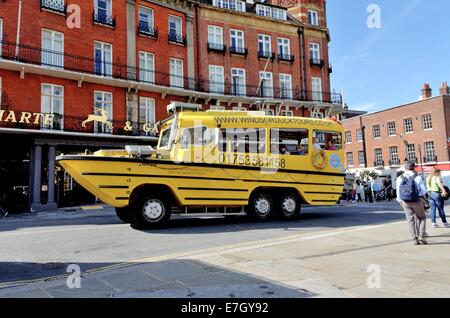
124,214
150,212
261,206
289,206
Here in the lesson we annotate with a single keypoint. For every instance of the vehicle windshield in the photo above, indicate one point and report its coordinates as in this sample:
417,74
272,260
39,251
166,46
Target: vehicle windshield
165,138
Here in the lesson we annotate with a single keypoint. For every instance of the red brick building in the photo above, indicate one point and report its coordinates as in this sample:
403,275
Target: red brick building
124,61
418,131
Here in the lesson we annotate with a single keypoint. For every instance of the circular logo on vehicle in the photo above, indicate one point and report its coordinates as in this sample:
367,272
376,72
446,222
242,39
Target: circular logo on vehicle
335,161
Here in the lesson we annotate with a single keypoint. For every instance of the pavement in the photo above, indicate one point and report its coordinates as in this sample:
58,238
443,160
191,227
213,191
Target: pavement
352,250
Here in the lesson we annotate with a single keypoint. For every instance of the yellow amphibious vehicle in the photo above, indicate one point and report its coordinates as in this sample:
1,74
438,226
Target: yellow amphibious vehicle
218,162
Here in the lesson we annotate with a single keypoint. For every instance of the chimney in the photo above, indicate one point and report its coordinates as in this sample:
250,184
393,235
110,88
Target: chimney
426,91
444,90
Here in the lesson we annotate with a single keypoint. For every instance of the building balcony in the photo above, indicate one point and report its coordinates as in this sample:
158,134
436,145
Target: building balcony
378,164
176,38
56,6
58,64
217,47
430,159
266,55
146,30
330,69
104,18
394,162
286,58
317,62
238,51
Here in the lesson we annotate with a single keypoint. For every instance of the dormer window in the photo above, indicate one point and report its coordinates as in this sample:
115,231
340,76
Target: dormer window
271,12
236,5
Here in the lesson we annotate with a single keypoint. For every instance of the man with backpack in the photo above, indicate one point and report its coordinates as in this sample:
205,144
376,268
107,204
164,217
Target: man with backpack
410,190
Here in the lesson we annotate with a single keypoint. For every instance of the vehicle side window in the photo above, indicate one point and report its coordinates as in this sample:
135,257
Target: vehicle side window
196,136
285,141
242,140
327,140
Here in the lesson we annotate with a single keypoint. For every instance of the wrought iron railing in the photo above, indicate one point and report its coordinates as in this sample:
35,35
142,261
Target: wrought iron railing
318,62
394,162
238,50
104,18
57,6
378,163
147,30
92,66
177,38
286,57
216,47
266,55
429,159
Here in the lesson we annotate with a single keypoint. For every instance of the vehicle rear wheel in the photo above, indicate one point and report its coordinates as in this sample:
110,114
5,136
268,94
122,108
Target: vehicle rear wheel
124,214
290,206
150,212
261,206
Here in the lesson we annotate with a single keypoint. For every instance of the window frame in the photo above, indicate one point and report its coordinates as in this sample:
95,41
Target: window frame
52,97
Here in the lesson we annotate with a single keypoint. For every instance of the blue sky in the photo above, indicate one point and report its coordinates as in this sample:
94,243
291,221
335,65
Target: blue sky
381,68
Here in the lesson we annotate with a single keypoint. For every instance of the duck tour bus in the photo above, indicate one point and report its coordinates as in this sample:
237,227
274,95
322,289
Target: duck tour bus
218,162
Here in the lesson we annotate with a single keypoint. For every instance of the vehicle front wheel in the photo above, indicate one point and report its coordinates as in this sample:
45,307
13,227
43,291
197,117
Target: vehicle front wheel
124,214
289,206
151,212
261,206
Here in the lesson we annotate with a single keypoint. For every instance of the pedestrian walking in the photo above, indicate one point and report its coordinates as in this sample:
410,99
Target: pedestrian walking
411,188
376,188
359,191
436,192
368,192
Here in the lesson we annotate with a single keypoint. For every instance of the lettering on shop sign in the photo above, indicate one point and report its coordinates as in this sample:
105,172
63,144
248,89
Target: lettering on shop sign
46,119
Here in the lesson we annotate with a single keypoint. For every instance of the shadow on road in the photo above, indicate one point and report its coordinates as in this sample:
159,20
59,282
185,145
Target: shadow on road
165,279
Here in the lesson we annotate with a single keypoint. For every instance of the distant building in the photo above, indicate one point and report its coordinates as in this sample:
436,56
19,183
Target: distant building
350,113
417,131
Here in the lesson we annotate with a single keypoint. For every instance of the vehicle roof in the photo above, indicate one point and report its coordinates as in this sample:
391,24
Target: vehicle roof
242,119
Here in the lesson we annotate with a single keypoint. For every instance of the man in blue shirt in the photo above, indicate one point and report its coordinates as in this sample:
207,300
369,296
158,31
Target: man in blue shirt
414,211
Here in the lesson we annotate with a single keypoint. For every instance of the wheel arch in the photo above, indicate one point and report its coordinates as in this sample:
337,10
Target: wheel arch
276,192
149,188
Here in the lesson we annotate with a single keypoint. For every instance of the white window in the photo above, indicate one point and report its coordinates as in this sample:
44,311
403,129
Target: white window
147,67
266,84
146,114
52,102
379,157
287,113
103,11
411,152
175,28
408,125
263,10
176,73
314,51
286,86
103,59
359,135
313,17
348,137
427,122
280,14
284,47
264,44
362,158
103,107
215,35
393,153
237,39
392,131
52,49
146,19
430,154
376,131
350,161
237,5
216,79
238,82
316,87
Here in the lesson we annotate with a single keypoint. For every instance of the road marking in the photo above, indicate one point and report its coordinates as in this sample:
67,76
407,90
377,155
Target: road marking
213,251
